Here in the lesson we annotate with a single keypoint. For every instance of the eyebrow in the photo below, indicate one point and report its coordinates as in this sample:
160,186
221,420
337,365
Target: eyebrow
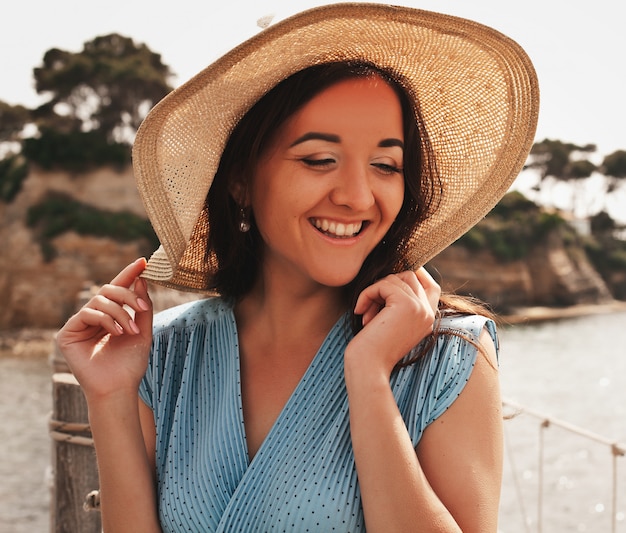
332,138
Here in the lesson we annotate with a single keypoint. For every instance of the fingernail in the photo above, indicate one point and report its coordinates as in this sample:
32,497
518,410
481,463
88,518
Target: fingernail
142,304
119,328
134,327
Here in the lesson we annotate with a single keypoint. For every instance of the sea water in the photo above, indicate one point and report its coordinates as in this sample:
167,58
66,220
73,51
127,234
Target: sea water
572,370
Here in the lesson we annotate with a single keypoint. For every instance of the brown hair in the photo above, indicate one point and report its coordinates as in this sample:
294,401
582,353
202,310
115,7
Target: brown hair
239,255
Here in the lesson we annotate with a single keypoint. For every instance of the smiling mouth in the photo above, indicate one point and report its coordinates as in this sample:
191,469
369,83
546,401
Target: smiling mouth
338,230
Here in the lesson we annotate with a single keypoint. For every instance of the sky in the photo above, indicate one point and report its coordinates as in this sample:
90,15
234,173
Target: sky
577,47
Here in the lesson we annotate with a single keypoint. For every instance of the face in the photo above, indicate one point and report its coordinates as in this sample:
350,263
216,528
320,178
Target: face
331,184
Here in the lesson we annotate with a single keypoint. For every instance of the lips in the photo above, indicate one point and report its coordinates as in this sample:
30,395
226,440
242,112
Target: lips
337,229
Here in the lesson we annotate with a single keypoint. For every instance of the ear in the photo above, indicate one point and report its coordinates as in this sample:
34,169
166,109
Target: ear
239,191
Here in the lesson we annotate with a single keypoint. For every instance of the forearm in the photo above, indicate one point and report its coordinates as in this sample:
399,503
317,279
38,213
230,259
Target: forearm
127,487
395,492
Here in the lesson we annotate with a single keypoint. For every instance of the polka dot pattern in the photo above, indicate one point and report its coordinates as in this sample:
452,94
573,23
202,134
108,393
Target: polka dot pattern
303,478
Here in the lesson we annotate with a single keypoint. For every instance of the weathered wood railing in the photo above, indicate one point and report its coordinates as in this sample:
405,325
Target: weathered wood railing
75,480
74,491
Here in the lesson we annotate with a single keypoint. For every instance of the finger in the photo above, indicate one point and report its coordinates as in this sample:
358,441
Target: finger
125,297
427,296
89,318
426,280
117,312
128,275
143,315
371,295
432,288
409,281
370,313
373,298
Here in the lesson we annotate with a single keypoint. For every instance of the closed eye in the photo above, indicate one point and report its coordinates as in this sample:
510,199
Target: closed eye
318,163
386,168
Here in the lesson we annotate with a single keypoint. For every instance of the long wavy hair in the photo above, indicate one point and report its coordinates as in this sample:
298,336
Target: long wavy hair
239,255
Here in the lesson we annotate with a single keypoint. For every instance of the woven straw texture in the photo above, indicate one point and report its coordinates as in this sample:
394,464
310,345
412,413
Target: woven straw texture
477,92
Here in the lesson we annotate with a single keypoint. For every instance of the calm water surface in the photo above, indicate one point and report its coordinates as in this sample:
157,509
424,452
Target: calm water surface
574,370
25,404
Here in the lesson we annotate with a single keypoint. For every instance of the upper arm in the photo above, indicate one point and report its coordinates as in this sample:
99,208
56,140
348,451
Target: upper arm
148,429
461,451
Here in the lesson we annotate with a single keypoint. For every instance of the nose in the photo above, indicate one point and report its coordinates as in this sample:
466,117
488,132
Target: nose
353,189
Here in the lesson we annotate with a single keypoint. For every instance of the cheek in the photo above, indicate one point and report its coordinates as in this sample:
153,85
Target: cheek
395,198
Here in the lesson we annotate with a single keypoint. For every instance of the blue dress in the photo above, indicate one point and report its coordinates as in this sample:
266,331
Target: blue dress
303,477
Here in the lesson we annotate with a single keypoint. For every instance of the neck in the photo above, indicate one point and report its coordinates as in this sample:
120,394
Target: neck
284,314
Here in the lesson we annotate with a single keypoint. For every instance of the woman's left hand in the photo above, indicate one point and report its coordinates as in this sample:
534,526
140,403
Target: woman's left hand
398,312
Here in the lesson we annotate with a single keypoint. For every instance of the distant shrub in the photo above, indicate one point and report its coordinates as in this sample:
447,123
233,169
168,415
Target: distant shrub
59,213
513,202
75,151
512,228
474,239
617,259
13,172
544,223
607,254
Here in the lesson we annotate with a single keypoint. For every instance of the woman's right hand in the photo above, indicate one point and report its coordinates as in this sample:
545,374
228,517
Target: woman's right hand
105,347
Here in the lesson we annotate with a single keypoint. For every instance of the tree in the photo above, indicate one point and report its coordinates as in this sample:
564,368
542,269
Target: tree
12,121
565,162
614,168
109,86
556,159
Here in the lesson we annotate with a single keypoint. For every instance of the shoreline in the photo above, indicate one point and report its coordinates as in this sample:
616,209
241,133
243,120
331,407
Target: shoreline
38,343
531,315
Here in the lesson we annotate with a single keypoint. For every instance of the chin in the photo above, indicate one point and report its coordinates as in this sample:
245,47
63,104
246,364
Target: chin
336,281
334,273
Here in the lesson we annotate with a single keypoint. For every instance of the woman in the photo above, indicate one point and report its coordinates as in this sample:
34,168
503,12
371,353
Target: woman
330,386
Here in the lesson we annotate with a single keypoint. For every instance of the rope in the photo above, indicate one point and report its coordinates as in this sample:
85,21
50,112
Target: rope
67,432
92,501
518,487
617,450
544,424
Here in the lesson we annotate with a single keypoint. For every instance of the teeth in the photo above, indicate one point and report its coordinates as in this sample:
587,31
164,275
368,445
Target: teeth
337,228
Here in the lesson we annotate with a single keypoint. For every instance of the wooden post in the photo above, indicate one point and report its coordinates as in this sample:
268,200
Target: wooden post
73,460
74,498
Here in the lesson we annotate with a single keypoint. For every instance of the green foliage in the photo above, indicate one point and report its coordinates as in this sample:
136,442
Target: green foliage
602,225
607,252
109,85
615,164
12,121
581,169
512,228
13,172
58,213
75,151
556,159
513,202
614,168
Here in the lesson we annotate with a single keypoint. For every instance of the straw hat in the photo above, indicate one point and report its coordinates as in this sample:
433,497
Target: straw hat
477,92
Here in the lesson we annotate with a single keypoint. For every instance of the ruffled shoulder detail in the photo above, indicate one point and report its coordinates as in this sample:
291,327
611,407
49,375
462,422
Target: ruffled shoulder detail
174,330
427,388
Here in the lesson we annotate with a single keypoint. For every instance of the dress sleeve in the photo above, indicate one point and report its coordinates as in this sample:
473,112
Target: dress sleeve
172,335
168,335
149,385
426,389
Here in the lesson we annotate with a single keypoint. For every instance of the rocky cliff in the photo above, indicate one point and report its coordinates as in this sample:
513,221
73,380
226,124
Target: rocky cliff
42,293
39,293
552,275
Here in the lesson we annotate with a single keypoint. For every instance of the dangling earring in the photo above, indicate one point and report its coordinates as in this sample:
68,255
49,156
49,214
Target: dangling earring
244,223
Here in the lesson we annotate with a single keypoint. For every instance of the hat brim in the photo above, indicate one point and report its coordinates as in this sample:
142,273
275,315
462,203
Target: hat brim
477,91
